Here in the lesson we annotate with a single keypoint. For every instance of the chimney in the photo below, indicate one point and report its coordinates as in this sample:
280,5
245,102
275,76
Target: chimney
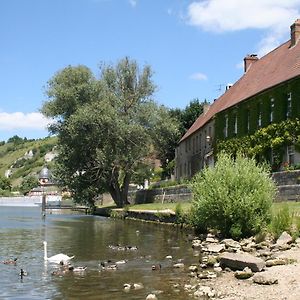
249,60
295,33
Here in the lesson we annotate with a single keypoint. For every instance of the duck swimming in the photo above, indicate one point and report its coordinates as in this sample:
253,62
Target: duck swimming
10,261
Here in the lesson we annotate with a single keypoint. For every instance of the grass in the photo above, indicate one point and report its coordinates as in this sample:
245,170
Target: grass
152,206
294,207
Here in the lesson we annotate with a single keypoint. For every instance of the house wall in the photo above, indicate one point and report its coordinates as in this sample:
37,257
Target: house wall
270,106
191,153
249,111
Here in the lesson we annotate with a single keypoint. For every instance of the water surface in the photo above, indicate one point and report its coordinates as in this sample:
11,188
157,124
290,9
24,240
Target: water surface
23,229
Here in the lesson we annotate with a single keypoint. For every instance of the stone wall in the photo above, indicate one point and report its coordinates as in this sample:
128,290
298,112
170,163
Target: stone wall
288,183
179,193
288,189
287,177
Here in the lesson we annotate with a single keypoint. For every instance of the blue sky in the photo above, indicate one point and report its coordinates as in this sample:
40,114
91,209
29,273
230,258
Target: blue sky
194,47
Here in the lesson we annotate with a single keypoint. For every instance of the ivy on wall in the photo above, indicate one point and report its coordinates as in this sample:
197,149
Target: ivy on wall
272,137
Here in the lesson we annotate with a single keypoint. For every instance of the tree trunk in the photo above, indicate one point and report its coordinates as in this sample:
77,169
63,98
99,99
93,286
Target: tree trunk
120,195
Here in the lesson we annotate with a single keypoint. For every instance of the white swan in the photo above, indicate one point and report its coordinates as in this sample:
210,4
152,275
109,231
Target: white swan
58,258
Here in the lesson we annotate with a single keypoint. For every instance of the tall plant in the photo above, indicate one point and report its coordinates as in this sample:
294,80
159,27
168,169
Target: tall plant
233,197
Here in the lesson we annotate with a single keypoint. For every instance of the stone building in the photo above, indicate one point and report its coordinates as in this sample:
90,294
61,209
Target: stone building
267,93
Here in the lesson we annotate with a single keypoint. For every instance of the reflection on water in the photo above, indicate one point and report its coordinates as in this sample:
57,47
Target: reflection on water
22,231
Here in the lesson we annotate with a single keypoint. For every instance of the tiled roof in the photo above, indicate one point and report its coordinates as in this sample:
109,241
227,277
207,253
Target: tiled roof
280,65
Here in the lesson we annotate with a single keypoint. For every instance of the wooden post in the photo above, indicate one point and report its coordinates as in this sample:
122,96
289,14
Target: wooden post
43,203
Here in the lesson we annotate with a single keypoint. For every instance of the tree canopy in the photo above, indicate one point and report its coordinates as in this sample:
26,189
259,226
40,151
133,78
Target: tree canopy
106,127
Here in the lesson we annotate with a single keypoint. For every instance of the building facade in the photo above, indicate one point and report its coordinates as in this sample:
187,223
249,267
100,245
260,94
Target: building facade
267,93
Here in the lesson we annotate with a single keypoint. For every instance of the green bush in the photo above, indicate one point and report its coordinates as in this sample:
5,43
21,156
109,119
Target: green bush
233,197
281,221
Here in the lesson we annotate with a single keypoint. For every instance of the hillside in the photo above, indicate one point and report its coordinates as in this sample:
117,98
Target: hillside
20,158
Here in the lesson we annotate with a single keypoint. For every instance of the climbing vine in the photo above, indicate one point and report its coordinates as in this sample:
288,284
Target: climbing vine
273,137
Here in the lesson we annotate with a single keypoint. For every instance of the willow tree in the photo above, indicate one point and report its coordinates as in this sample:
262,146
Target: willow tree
106,127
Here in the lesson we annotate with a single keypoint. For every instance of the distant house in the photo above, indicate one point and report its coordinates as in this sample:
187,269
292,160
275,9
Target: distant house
267,93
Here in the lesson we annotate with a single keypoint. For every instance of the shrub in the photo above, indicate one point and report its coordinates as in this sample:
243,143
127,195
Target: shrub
233,197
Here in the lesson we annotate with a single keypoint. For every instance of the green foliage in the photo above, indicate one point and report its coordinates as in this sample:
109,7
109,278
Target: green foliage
28,184
233,197
274,137
12,158
16,140
106,127
181,216
5,183
281,221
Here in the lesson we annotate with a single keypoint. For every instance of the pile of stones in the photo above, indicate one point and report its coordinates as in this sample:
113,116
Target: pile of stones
246,258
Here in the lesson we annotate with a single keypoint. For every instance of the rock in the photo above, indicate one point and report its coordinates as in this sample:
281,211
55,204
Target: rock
264,279
151,297
211,240
284,239
196,244
245,274
276,262
193,268
207,275
238,261
169,257
230,243
218,269
179,265
215,248
205,291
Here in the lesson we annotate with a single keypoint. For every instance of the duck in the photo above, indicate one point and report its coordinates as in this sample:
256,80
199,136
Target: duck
58,258
23,273
121,262
78,269
108,267
10,261
156,267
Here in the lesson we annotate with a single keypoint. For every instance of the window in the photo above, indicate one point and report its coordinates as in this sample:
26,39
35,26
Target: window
193,145
235,124
200,137
226,127
291,155
272,105
289,105
248,120
259,115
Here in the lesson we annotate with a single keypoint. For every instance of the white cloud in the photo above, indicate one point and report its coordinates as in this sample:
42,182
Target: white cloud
198,76
19,120
272,16
133,3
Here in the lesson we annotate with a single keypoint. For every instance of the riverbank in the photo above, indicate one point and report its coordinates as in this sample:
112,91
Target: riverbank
227,287
284,279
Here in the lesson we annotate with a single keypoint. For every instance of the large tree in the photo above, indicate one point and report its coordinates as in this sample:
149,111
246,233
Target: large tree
106,127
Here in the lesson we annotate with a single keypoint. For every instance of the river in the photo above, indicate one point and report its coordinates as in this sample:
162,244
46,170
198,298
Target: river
23,230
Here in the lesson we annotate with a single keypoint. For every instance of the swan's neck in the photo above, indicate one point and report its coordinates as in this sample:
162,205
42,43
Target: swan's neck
45,251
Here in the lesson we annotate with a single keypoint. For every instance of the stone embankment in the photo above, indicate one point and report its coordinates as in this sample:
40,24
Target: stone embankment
247,269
